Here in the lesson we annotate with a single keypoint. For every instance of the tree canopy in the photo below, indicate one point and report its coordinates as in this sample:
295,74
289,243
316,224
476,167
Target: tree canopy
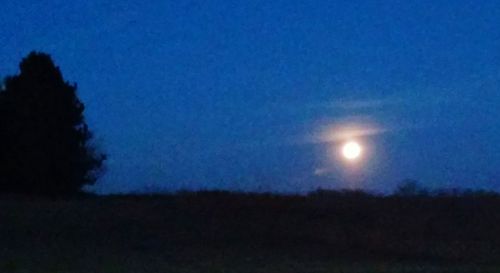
45,143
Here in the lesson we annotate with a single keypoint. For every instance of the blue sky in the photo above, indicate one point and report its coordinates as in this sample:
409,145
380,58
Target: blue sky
218,94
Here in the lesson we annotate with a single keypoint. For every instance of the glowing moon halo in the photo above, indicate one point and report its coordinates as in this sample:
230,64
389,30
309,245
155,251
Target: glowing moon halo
351,150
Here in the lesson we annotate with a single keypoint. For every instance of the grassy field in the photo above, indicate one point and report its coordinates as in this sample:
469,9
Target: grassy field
228,232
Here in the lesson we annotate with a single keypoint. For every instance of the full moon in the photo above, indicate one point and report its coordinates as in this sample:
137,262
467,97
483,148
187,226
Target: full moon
351,150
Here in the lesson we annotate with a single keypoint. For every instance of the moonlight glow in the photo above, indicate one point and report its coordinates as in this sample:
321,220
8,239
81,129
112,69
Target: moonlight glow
351,150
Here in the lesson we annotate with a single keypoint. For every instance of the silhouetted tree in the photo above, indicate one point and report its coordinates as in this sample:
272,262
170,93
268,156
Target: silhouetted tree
410,187
44,140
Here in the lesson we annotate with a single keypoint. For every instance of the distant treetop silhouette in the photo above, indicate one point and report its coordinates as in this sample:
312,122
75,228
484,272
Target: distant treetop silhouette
44,139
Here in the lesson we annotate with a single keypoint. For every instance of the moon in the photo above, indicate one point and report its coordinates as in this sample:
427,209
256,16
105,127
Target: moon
351,150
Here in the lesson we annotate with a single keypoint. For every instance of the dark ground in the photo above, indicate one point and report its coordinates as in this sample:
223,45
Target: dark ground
230,232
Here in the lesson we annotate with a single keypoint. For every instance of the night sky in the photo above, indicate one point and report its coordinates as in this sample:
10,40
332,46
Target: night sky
256,95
